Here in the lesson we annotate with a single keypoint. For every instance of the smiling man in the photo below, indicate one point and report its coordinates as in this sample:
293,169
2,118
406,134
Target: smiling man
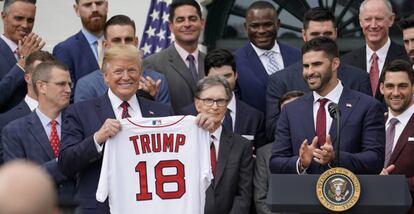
89,124
262,56
181,63
301,148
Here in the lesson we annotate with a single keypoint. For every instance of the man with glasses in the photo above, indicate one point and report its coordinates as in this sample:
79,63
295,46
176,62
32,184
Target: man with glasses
37,136
231,154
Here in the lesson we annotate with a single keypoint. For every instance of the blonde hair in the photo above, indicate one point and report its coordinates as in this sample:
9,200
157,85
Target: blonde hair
127,52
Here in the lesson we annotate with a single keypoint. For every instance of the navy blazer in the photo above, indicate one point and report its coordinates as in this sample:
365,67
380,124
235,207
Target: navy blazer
21,110
291,78
25,138
252,76
12,84
78,154
362,148
93,85
77,54
249,121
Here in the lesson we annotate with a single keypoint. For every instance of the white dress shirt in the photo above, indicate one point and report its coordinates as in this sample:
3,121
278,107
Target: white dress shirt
265,60
216,139
381,53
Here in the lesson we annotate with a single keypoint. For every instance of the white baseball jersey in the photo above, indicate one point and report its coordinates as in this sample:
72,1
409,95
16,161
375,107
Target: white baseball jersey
156,165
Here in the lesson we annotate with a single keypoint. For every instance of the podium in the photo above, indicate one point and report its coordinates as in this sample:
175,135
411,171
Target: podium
379,194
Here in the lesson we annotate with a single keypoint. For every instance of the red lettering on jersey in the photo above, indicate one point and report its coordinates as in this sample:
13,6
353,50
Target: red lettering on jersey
179,141
156,142
168,141
145,141
135,143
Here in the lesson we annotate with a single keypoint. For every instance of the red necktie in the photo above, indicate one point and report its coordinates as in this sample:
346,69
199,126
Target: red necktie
213,158
124,107
321,121
54,139
374,74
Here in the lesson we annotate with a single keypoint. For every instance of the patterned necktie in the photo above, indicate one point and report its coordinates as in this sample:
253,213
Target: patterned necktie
213,157
54,138
192,68
374,74
389,141
272,66
228,121
321,121
124,107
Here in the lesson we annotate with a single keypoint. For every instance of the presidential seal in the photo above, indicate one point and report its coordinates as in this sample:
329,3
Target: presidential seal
338,189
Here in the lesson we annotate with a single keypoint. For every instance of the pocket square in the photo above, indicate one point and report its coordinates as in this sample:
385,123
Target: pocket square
411,139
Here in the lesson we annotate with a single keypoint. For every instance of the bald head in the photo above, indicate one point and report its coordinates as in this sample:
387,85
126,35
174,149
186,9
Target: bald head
26,189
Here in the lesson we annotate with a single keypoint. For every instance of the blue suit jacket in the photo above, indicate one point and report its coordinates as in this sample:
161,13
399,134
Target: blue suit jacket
93,85
252,76
249,121
12,84
76,53
25,138
362,134
78,154
21,110
291,78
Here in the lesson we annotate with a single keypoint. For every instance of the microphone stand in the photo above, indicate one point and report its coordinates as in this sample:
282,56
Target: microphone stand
338,137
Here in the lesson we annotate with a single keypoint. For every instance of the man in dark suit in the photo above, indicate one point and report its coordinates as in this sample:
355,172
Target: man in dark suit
29,103
316,22
80,51
240,117
262,56
231,154
407,26
37,136
375,18
120,29
397,86
16,43
297,150
181,63
89,124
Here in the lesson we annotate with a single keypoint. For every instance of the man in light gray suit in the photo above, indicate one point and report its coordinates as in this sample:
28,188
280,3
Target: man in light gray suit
181,63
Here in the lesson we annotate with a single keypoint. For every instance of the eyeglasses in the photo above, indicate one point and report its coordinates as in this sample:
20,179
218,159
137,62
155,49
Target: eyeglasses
210,102
62,84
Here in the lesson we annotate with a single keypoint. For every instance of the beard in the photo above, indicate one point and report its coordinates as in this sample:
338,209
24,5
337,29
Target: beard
319,85
94,25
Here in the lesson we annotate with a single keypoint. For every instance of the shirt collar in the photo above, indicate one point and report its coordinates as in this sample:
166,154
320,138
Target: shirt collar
183,53
260,52
332,96
45,120
10,43
232,104
116,102
217,134
32,103
90,37
381,53
402,118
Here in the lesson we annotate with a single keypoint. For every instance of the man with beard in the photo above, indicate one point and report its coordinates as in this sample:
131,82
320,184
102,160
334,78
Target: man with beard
80,51
296,149
407,26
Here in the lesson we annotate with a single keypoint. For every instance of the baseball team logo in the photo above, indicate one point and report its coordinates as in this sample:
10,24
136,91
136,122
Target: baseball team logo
338,189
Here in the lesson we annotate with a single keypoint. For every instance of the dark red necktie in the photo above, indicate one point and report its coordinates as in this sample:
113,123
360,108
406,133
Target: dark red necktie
213,158
54,139
321,121
374,74
124,107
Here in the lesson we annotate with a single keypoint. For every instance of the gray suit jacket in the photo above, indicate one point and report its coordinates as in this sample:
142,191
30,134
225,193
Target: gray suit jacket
261,179
181,84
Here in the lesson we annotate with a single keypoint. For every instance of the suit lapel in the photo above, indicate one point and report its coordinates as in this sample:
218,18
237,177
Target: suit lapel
179,66
7,53
403,139
346,104
256,65
308,121
104,108
224,153
85,49
38,133
145,107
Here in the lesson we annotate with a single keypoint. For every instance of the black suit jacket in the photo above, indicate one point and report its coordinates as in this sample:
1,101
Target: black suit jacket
231,189
22,109
358,57
249,121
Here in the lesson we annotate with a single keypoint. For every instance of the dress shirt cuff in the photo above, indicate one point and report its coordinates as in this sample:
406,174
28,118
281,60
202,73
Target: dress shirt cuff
298,168
99,148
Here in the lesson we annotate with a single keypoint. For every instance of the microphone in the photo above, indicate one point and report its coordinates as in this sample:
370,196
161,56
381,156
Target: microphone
335,113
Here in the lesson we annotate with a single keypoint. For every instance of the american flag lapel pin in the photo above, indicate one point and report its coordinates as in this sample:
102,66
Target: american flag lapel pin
348,105
151,112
